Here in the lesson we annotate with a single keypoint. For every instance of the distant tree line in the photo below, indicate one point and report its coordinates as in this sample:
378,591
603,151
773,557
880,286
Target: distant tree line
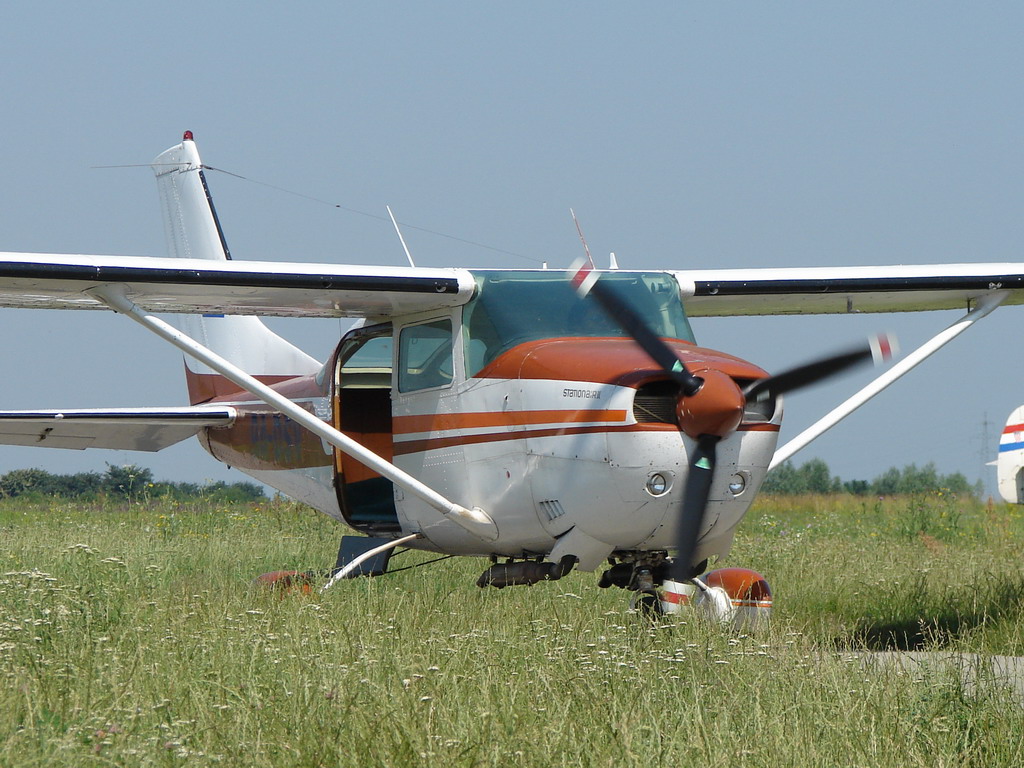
129,482
814,477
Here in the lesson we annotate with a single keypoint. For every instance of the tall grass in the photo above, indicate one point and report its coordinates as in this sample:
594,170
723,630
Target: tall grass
133,636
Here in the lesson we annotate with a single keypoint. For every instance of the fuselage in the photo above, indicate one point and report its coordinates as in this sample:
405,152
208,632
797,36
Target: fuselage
526,402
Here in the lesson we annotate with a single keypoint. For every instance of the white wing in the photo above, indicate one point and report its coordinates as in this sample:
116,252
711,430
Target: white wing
201,286
842,290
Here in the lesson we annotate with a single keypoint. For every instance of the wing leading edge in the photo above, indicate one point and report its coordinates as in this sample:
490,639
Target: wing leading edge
138,429
845,290
201,286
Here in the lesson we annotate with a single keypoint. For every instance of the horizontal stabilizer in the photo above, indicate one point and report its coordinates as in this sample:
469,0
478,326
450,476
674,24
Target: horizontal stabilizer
137,429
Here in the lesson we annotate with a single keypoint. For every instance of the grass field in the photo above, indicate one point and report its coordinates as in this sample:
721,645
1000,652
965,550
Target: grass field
133,636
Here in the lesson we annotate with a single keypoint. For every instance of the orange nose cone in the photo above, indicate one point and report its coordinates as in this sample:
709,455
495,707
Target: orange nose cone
716,409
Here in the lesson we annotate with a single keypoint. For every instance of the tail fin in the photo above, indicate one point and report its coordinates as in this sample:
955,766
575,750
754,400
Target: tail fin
1010,464
193,231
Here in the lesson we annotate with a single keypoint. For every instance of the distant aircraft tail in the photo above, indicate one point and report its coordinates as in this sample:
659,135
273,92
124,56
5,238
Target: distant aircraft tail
1010,463
193,231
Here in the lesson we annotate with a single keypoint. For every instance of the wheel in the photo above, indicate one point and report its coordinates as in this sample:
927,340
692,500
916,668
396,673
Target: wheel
648,605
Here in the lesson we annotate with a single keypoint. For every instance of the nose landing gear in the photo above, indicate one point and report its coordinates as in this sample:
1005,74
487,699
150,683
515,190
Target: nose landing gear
735,597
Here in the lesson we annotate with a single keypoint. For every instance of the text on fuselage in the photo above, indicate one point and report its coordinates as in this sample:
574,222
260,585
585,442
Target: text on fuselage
583,394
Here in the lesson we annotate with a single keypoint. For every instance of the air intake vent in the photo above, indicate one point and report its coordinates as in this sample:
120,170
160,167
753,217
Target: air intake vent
655,403
553,509
757,411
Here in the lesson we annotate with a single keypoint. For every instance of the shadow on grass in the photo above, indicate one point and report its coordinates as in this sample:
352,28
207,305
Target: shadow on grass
932,614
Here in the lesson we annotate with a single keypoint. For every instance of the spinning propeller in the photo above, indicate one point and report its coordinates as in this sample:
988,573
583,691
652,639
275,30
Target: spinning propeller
711,405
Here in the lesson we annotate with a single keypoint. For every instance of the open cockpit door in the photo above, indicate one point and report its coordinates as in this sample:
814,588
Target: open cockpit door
362,410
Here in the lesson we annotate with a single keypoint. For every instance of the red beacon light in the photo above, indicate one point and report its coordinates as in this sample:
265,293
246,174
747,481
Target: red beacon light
187,136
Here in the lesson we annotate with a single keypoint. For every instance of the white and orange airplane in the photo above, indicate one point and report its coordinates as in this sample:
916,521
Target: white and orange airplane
543,419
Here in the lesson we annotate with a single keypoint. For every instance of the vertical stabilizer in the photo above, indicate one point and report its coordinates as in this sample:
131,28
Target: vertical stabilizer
193,231
1010,464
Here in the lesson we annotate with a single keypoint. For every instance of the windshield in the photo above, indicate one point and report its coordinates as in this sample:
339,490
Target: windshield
511,307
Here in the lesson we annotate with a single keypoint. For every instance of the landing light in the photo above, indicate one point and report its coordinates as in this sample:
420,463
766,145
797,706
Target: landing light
737,484
657,484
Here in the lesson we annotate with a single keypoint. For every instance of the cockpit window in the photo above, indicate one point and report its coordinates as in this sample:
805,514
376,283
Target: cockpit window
510,308
425,356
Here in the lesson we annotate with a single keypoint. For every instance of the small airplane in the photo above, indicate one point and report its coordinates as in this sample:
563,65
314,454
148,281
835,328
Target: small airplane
1010,461
544,419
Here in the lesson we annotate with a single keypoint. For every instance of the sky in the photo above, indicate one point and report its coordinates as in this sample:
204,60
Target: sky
683,135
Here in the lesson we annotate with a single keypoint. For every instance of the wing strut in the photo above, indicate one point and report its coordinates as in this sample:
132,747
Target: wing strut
350,567
474,520
985,305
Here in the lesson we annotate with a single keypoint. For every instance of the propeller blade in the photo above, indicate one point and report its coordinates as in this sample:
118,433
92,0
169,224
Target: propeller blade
634,325
881,347
695,501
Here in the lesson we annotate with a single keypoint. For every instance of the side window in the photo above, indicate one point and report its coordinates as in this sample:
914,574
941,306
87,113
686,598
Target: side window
425,356
373,353
366,362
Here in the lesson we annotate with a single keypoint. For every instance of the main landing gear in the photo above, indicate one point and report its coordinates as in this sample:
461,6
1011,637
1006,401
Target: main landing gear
357,556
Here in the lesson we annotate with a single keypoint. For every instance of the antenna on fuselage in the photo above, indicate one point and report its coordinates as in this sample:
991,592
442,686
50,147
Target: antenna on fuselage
612,262
583,240
400,238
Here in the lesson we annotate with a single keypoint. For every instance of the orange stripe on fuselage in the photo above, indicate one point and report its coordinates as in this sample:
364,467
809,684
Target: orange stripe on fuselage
1013,428
437,443
441,422
765,427
433,444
